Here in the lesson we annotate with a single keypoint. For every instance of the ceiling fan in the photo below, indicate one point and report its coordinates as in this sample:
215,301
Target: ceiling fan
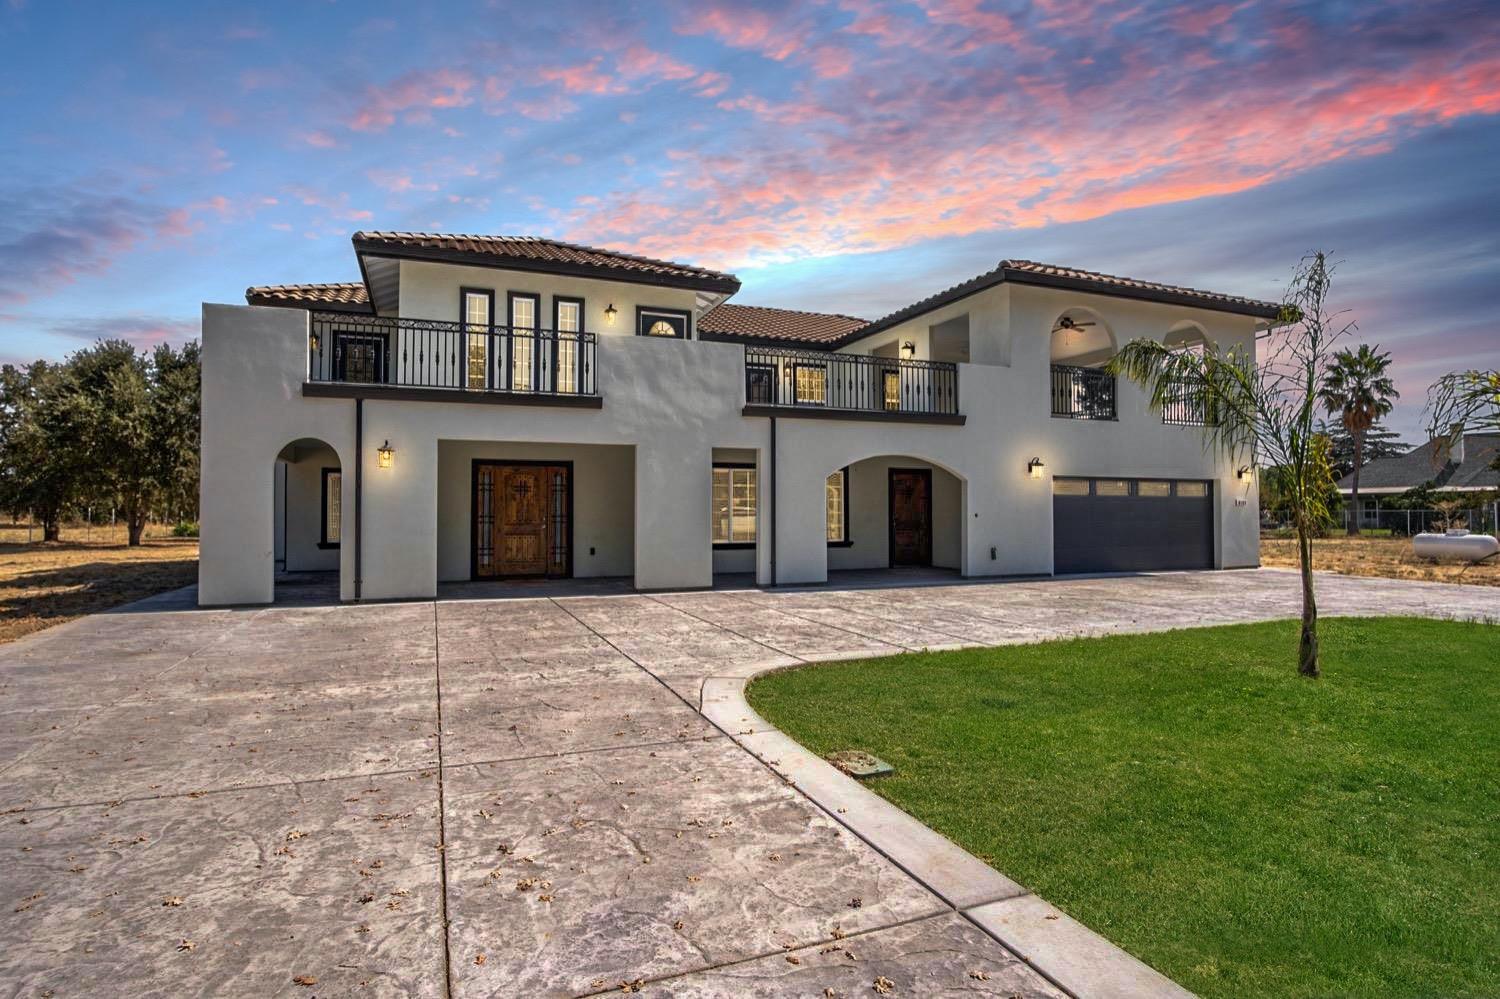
1069,323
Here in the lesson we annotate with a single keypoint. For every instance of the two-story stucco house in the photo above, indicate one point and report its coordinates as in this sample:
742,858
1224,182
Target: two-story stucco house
484,408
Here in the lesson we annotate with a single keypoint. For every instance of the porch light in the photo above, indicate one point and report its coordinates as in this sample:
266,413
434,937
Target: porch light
387,454
1243,474
610,312
908,350
313,341
1034,468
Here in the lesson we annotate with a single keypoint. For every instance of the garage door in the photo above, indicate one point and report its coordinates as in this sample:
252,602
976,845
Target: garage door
1131,525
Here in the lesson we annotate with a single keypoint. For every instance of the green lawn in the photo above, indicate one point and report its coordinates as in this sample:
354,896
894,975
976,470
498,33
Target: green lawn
1244,830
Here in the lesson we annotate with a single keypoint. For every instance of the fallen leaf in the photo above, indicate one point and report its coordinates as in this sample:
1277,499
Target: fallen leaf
305,980
980,976
855,903
186,945
884,985
172,900
478,958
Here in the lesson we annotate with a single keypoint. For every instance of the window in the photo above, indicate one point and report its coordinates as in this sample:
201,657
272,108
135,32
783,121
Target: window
891,388
333,528
360,357
809,384
1070,487
567,320
1153,487
759,382
1111,487
668,323
734,504
1192,489
478,306
837,490
523,309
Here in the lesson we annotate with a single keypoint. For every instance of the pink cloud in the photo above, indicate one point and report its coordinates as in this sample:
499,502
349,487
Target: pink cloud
319,139
743,27
414,92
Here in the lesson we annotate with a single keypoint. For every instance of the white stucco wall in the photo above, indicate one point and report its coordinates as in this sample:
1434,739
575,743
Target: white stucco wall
869,515
670,405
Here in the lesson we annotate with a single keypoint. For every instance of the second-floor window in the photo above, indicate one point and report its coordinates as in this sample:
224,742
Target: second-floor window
810,384
478,306
569,320
523,309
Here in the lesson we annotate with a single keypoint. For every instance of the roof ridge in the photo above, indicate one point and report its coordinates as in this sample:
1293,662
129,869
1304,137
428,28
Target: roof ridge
799,312
387,234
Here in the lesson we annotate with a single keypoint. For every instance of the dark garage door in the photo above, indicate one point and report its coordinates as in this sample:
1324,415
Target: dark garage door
1131,525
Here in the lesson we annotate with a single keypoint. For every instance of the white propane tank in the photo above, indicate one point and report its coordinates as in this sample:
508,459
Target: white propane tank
1456,545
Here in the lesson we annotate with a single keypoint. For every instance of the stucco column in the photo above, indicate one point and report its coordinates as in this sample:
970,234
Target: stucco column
673,482
801,522
399,557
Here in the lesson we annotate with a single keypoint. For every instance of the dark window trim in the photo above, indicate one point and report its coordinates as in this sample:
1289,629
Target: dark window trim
848,541
641,311
770,372
463,319
384,339
323,541
474,513
811,366
732,546
536,327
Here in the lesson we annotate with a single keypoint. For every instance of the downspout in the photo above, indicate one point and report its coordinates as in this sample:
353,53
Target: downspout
773,501
359,495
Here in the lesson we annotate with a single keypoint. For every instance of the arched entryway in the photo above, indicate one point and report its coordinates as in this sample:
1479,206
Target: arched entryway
1082,343
309,521
893,513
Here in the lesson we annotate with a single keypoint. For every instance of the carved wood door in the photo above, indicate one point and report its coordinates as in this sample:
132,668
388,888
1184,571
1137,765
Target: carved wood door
521,523
911,516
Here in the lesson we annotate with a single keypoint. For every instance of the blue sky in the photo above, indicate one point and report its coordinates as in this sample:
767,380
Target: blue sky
848,155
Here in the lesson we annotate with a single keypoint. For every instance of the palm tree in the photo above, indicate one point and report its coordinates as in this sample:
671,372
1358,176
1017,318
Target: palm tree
1358,391
1264,412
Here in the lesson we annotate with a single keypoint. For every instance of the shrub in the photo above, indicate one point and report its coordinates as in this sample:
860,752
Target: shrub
185,529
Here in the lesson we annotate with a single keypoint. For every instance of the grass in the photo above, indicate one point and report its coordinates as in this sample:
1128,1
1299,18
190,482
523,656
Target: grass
89,570
1186,794
1375,556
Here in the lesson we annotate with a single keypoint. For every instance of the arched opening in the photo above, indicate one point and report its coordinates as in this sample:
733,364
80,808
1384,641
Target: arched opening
893,514
1186,335
1183,409
1081,344
311,514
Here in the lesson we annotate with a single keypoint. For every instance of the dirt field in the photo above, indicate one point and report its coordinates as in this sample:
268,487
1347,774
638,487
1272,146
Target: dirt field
1390,557
42,585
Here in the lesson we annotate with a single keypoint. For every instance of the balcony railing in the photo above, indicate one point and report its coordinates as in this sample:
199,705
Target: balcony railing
1183,410
465,357
1082,393
819,380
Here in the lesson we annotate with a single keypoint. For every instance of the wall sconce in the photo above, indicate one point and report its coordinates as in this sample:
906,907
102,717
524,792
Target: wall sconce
610,312
908,350
386,453
1243,474
314,342
1034,468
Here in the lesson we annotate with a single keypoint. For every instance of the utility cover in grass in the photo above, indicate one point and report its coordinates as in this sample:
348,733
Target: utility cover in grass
860,764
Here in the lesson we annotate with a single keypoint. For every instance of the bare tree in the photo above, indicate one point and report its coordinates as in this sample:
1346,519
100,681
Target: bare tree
1266,412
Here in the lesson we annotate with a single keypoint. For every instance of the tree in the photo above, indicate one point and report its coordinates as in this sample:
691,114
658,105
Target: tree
1265,412
1380,442
176,395
1357,389
1463,398
38,451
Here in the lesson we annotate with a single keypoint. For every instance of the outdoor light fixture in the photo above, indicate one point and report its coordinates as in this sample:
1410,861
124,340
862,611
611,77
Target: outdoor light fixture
909,350
314,342
1244,473
1034,468
610,312
387,454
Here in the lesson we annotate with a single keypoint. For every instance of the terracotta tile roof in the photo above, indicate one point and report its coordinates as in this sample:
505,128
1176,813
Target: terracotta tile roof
343,294
1051,275
537,253
758,322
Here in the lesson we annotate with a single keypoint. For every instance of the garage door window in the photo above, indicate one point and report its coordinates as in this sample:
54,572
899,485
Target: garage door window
1192,489
1153,487
1070,487
1111,487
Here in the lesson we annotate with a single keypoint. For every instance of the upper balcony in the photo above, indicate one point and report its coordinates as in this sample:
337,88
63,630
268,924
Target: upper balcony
788,382
422,359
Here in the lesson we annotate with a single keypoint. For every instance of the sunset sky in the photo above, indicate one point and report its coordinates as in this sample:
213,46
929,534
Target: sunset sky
849,155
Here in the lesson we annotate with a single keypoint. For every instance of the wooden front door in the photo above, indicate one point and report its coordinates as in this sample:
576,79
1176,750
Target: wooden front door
522,519
911,516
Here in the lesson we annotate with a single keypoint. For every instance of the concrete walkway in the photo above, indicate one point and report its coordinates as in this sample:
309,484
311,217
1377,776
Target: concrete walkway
515,797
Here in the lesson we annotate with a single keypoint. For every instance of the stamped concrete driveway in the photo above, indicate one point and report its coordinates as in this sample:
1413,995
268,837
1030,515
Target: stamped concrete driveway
497,797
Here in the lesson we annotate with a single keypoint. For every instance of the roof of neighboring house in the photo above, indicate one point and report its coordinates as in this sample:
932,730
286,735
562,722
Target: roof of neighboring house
348,296
1424,464
1073,279
759,322
540,254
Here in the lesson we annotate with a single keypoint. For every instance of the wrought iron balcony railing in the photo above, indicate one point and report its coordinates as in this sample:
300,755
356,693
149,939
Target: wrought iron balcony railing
1183,410
428,354
1082,393
812,379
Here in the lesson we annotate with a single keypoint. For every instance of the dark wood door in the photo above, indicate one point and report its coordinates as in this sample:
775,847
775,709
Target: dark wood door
911,516
522,520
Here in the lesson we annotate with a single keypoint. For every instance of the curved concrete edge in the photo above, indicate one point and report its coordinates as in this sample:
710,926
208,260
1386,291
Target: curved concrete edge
1059,947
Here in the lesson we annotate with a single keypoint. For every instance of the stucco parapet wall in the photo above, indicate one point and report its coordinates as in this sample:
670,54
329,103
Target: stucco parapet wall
1059,947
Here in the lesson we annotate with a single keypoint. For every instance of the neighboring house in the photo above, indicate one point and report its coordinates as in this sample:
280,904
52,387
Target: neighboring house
1464,466
485,407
